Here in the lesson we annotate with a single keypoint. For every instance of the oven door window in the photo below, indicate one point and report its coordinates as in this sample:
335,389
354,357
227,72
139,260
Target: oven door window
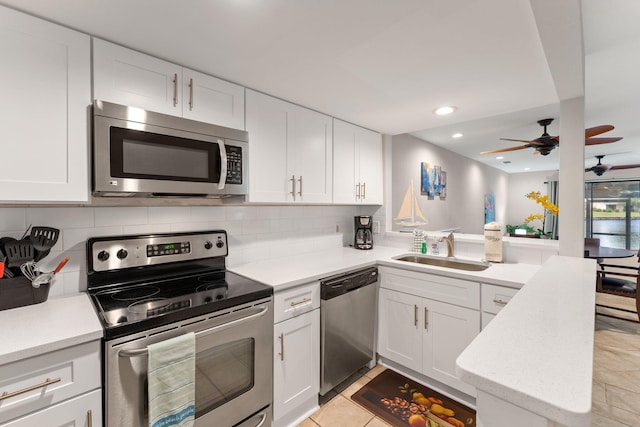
223,373
146,155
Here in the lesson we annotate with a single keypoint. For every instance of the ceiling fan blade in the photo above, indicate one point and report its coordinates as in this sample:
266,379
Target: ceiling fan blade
624,167
596,141
597,130
516,140
502,150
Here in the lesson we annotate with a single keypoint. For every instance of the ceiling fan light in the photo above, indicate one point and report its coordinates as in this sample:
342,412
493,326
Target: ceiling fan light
443,111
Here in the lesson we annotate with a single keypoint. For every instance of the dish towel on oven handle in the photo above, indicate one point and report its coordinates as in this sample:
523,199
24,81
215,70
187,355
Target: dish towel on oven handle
171,378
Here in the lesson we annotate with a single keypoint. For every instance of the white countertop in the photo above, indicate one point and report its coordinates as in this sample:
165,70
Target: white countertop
283,273
41,328
538,352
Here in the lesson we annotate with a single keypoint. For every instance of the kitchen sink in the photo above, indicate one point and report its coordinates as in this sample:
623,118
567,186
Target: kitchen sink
458,264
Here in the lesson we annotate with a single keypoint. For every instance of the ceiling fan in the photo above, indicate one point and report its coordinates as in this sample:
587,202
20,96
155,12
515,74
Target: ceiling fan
599,169
545,143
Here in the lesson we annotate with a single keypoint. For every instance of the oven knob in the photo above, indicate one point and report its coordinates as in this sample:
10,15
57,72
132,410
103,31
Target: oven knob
219,243
122,254
103,256
208,245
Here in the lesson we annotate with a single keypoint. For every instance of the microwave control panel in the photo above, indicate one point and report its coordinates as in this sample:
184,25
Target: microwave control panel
234,164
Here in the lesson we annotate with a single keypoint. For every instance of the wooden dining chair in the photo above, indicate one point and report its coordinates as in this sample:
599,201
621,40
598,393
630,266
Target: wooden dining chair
620,280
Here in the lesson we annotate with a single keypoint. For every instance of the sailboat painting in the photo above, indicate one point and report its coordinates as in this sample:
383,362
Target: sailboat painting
410,214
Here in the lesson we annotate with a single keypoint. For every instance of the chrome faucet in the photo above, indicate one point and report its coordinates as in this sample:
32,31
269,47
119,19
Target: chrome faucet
450,244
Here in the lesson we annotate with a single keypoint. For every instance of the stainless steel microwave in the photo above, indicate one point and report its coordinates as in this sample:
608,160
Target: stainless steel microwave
138,153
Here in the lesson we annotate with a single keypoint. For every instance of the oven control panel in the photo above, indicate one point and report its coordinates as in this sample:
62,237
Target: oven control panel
136,251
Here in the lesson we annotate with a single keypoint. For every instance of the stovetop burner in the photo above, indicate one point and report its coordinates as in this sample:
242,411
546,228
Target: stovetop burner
141,291
134,294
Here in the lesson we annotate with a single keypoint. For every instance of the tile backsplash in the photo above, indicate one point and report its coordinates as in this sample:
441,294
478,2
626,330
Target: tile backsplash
255,232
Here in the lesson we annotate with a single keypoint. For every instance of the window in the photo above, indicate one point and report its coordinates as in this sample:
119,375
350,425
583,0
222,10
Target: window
612,213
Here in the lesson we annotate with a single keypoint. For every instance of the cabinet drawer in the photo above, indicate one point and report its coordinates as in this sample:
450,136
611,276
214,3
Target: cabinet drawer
495,297
85,410
293,302
446,289
37,382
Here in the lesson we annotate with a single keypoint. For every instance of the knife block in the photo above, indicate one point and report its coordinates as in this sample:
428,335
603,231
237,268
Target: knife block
18,292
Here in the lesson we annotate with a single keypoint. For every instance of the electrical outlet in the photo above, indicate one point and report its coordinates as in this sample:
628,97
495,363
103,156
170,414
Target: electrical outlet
376,227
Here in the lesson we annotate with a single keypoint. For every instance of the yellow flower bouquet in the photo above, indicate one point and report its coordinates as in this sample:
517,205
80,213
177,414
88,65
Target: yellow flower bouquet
548,208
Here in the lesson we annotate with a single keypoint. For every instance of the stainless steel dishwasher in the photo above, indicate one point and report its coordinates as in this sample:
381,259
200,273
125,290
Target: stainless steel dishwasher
347,325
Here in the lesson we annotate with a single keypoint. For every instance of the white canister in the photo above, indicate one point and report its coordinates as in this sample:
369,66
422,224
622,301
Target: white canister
493,242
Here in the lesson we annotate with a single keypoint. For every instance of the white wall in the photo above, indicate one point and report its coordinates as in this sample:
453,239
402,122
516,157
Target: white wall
518,206
255,232
467,183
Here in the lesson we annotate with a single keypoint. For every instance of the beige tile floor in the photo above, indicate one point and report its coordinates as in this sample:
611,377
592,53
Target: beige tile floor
616,384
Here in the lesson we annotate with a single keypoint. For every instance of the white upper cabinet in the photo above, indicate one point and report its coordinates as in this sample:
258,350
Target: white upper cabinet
357,161
45,80
131,78
127,77
290,152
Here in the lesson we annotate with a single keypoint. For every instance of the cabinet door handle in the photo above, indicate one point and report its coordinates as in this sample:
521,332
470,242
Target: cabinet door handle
304,301
89,419
364,190
426,319
175,89
357,191
190,94
300,189
7,395
293,187
281,346
415,315
499,301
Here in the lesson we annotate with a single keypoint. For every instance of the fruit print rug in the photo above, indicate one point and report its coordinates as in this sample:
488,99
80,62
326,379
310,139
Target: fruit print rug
403,402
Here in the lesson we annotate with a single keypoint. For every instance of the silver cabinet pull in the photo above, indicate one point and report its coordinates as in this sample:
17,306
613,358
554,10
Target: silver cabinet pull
281,346
364,190
415,315
89,418
304,301
293,187
499,301
190,94
357,191
300,189
137,352
223,165
426,319
175,89
7,395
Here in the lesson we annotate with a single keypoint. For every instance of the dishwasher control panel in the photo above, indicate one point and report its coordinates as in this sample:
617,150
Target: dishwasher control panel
334,286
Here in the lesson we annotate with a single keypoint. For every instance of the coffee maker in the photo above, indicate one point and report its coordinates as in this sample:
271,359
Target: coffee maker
364,232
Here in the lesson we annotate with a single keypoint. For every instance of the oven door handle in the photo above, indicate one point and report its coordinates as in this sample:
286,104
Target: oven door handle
137,352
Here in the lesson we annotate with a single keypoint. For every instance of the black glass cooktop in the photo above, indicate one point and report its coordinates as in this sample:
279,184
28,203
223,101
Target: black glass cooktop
132,308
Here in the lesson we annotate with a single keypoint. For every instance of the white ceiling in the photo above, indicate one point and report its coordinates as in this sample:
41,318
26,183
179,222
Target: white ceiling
386,65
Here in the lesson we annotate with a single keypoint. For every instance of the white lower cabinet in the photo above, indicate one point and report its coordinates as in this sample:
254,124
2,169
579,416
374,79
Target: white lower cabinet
423,334
59,388
494,298
296,354
82,411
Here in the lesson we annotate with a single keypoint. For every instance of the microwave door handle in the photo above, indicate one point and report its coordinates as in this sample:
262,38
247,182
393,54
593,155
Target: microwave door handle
136,352
223,165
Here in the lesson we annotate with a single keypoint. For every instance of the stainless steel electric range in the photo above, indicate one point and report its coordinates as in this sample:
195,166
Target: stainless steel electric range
150,288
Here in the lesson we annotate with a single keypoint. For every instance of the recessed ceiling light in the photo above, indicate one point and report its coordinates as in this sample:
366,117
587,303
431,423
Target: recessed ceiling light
456,135
443,111
499,157
527,169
